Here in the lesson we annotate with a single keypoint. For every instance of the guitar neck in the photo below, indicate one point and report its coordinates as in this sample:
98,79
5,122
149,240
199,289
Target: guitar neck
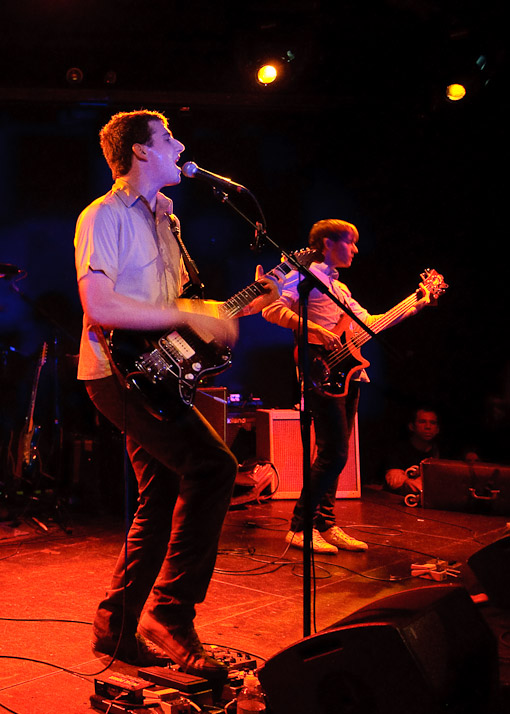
236,304
387,319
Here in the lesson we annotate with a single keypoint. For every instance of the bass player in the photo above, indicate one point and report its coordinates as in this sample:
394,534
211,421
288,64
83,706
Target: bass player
335,242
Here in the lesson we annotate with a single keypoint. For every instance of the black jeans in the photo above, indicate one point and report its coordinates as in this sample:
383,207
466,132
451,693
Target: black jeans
333,419
185,475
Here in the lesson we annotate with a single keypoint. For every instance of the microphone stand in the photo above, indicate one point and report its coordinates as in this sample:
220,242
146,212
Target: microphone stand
308,282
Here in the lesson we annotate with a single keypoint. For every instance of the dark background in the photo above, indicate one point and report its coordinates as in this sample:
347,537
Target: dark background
358,129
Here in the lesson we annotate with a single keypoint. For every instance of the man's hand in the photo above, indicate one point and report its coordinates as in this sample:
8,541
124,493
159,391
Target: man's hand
423,295
329,339
203,316
272,287
396,478
207,327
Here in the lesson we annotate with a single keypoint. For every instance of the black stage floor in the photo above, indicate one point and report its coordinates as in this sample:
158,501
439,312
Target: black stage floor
51,581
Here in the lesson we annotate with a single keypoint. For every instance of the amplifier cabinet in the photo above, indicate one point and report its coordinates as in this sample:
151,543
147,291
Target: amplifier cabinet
278,440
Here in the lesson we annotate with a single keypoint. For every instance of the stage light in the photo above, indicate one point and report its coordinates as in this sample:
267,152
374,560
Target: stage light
267,74
74,75
110,77
455,92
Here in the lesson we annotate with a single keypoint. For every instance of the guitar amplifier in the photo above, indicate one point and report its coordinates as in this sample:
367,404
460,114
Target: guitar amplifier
473,487
278,440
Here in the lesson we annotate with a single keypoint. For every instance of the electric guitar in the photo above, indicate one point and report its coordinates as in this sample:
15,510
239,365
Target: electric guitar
331,370
174,363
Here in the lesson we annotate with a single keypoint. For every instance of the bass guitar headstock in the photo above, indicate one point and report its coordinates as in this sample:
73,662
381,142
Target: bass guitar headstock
434,282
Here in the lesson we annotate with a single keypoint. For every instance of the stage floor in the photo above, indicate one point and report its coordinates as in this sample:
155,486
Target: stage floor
51,581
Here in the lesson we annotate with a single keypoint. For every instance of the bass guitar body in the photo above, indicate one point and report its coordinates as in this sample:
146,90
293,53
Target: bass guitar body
331,370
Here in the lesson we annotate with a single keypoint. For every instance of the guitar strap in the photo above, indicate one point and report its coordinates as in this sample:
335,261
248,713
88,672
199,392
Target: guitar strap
195,287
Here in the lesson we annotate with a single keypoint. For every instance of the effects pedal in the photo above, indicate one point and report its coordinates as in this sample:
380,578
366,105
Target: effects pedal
103,704
232,659
121,688
167,677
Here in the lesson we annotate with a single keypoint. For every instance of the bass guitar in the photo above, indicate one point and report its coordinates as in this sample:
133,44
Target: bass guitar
174,363
331,370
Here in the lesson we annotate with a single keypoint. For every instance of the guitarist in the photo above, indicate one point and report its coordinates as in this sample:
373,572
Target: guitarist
335,242
130,271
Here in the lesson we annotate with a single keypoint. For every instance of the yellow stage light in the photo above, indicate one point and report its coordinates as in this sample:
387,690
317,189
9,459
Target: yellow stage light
455,92
267,74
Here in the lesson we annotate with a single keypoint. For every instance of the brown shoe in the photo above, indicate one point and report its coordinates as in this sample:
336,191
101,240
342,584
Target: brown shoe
132,650
183,647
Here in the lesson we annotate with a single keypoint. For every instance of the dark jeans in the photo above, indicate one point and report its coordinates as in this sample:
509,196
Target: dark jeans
333,419
185,476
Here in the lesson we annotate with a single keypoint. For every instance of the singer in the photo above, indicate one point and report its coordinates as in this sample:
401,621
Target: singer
130,271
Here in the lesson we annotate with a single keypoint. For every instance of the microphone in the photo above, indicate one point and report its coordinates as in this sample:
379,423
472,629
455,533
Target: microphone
191,170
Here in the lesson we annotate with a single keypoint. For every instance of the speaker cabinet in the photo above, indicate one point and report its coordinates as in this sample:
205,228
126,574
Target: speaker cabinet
211,402
278,439
491,565
424,651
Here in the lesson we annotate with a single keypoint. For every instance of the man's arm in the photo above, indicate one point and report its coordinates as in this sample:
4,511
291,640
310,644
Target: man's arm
280,314
396,478
104,307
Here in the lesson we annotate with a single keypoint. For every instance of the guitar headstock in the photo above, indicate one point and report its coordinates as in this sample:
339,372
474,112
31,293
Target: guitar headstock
304,257
434,282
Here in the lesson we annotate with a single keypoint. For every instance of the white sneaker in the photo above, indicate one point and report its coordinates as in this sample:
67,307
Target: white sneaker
296,538
336,536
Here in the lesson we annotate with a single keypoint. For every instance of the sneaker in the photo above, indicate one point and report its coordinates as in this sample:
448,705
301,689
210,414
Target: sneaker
182,645
132,650
296,538
336,536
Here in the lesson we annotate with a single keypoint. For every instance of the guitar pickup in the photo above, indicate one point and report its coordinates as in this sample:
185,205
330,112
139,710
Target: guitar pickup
176,346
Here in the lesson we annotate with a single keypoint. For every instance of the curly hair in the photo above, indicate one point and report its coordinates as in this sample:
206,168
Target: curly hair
332,228
121,132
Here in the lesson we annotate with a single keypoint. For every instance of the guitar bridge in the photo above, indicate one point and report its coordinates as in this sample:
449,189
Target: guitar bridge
153,365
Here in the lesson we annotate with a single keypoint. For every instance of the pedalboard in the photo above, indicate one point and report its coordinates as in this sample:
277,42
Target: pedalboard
170,687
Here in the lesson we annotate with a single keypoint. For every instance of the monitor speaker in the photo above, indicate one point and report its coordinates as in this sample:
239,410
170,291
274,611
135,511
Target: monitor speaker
491,565
278,440
425,651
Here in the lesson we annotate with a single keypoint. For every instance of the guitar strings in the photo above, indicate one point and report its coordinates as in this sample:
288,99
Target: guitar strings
360,337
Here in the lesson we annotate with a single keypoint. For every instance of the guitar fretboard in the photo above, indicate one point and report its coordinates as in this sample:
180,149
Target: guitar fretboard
236,304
